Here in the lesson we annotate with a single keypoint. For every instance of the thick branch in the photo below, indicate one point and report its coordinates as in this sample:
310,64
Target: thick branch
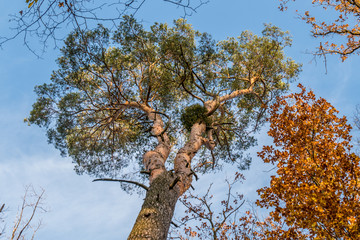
236,94
154,160
124,181
182,162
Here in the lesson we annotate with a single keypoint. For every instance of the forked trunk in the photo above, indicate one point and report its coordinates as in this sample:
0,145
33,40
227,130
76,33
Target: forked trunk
154,219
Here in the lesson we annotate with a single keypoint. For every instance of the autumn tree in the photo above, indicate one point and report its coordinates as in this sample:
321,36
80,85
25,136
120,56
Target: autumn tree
315,192
167,103
345,25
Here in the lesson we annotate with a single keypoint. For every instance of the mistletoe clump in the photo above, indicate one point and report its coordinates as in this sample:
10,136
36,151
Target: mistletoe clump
193,114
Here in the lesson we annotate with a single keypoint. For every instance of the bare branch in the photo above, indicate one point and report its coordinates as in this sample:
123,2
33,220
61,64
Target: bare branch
211,224
45,18
2,229
122,181
32,203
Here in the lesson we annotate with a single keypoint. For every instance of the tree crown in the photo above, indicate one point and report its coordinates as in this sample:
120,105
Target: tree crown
316,190
111,87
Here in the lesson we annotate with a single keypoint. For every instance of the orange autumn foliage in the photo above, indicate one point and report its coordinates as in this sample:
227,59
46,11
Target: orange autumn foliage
317,187
345,24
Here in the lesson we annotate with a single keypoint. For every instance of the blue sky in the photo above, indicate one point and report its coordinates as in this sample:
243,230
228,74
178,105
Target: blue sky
80,209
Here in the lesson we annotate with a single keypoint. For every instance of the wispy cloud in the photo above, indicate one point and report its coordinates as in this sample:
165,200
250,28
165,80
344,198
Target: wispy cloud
77,206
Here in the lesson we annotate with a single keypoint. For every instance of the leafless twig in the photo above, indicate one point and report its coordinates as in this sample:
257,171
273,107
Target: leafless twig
31,205
46,19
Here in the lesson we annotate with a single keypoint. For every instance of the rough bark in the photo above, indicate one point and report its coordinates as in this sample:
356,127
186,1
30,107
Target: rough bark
154,219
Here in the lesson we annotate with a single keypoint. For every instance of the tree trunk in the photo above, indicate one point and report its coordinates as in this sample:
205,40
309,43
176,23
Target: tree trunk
154,219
